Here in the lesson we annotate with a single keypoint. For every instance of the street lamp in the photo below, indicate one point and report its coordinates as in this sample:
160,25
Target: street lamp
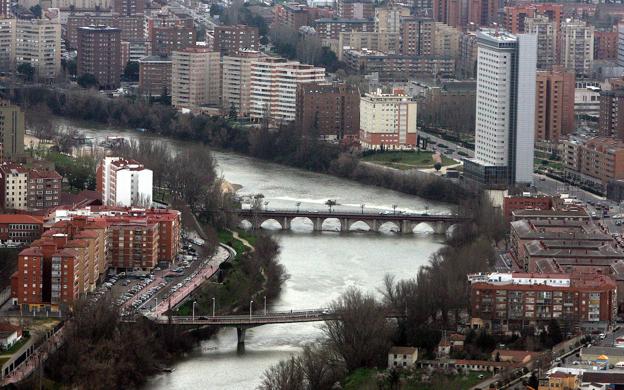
250,308
362,207
194,303
394,207
298,205
213,306
265,310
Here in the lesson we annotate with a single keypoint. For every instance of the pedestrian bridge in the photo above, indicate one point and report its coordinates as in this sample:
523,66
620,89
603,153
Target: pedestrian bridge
244,322
401,222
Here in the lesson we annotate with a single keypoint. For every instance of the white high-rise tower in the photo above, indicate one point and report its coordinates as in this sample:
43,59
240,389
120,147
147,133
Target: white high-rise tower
505,109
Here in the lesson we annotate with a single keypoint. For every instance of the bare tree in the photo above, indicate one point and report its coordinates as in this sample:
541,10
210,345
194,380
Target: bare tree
361,335
285,375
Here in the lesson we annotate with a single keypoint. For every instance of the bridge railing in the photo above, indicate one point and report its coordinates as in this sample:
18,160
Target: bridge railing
345,213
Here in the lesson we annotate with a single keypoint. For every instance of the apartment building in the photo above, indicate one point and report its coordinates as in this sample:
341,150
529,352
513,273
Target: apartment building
236,81
169,31
593,162
611,116
7,44
124,182
12,127
330,111
416,36
355,9
128,7
554,104
515,16
445,41
511,301
467,59
44,188
372,40
482,12
295,15
274,87
505,110
134,243
132,27
230,40
577,46
330,28
99,54
388,121
605,45
155,75
388,19
396,67
13,186
195,78
38,43
547,40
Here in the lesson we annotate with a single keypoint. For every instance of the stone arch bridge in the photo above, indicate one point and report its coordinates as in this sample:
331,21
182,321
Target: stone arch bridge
404,223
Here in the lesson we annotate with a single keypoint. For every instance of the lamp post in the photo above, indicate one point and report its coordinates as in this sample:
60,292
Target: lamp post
394,207
213,306
362,207
265,310
298,205
194,302
250,308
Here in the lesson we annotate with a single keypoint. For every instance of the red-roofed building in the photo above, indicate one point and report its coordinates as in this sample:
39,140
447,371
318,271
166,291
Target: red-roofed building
20,228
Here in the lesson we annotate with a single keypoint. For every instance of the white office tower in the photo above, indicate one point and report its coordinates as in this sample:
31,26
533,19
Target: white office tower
505,109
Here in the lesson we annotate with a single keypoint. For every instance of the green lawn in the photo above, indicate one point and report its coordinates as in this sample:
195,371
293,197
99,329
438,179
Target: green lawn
440,381
7,354
366,379
227,238
406,159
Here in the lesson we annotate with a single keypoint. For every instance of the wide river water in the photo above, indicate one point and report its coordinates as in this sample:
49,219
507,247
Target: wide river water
321,265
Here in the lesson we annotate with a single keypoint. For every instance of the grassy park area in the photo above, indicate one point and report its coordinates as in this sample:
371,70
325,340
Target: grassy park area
407,159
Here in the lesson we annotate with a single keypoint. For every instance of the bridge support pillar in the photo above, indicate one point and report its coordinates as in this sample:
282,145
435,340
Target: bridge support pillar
240,333
344,225
406,227
374,226
286,223
318,224
440,228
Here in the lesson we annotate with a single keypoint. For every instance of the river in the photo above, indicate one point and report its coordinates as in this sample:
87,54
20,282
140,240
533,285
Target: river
321,265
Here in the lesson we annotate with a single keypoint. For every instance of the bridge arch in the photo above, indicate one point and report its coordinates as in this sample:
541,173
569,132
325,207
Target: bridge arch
360,225
269,224
303,223
331,224
423,228
389,226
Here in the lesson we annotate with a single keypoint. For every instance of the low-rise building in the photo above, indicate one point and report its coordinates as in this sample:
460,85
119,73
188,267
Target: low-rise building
20,228
526,201
388,121
402,357
505,302
9,335
396,67
593,162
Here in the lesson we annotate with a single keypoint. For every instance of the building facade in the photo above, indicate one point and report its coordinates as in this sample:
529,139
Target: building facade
274,87
388,121
230,40
12,127
611,116
236,81
547,40
396,67
195,78
99,54
7,44
577,46
331,110
124,182
38,43
155,75
169,31
593,162
554,104
505,109
132,27
605,45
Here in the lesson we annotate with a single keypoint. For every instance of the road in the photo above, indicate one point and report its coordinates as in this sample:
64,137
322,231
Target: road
433,139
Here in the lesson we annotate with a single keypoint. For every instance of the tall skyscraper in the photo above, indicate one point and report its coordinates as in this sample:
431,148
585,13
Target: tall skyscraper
505,109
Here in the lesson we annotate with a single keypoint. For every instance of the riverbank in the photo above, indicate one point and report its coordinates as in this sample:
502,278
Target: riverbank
285,145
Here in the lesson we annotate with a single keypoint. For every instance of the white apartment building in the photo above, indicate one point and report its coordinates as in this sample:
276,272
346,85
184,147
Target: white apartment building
124,182
195,78
505,109
620,52
274,87
388,121
38,43
236,81
7,45
546,32
14,178
388,19
577,46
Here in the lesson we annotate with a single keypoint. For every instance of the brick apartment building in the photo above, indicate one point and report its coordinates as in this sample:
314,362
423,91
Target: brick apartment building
355,9
230,40
132,27
80,245
294,15
611,117
515,16
99,54
155,75
525,202
331,109
511,301
554,104
605,45
169,31
129,7
595,161
44,188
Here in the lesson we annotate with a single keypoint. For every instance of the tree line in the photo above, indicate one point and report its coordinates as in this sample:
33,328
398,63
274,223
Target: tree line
286,145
